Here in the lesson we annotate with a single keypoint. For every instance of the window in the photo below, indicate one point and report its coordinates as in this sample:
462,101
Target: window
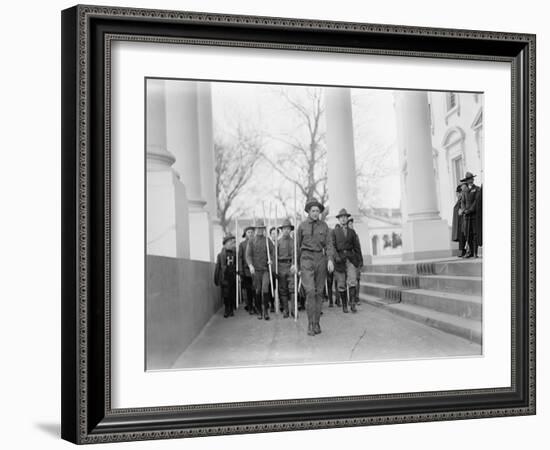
451,101
452,105
458,169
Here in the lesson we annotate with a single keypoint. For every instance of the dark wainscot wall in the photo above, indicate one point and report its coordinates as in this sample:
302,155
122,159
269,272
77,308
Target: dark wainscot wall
181,299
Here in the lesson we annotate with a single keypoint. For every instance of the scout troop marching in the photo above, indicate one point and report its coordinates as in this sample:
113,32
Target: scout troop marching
269,267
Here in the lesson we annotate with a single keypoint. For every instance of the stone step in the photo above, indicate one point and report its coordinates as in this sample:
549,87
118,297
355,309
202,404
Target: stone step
444,283
460,305
452,267
385,292
458,326
451,283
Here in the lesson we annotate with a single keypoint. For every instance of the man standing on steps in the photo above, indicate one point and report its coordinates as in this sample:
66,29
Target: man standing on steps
258,264
472,215
315,257
347,258
457,233
244,270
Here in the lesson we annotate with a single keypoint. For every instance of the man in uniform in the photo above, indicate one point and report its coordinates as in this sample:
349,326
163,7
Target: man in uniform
472,215
258,264
244,271
225,274
273,236
315,256
287,267
358,287
347,258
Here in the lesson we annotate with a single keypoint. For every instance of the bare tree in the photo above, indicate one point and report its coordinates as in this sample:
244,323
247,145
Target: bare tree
369,171
303,159
373,150
236,157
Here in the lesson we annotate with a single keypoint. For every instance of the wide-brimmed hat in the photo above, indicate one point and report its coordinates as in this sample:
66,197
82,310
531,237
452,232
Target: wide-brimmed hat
246,229
314,202
228,237
259,224
468,176
343,212
287,224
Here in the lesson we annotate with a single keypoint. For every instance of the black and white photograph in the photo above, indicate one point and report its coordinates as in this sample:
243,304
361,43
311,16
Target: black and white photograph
291,224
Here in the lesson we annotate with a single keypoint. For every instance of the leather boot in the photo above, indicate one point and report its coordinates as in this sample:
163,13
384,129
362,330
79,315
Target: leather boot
266,306
344,298
352,299
317,328
259,307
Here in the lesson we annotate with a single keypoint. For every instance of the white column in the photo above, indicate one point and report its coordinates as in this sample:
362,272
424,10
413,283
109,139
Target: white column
208,164
183,140
342,184
167,209
425,234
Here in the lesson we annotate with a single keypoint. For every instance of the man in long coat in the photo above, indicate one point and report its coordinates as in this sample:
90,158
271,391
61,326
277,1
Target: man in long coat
472,215
315,257
458,219
244,271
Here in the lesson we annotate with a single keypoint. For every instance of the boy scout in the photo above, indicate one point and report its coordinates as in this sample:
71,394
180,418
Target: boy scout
315,256
225,274
347,257
287,266
258,264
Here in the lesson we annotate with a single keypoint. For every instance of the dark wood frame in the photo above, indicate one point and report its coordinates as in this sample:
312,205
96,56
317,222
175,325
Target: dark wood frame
87,416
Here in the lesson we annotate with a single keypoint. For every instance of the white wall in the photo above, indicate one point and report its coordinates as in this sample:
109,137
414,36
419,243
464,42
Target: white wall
30,186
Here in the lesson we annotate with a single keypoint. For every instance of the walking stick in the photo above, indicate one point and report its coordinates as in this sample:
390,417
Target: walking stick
268,257
296,287
236,265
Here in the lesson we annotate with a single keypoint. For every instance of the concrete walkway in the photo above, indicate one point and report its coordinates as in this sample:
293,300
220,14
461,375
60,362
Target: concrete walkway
370,334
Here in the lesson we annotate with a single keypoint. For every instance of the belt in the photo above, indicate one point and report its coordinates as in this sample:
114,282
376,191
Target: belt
312,251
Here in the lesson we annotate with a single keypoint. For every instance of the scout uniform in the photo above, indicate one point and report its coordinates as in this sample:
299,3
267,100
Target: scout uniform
314,248
225,274
347,258
472,215
285,259
244,272
256,257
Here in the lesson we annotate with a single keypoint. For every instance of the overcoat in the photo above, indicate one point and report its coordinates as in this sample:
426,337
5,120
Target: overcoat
224,273
346,247
244,270
474,209
458,220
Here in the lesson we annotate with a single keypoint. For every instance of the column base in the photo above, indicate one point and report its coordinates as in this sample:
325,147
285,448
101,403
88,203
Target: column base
200,237
167,215
426,239
362,229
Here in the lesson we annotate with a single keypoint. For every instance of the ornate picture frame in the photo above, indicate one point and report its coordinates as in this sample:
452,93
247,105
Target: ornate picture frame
87,36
